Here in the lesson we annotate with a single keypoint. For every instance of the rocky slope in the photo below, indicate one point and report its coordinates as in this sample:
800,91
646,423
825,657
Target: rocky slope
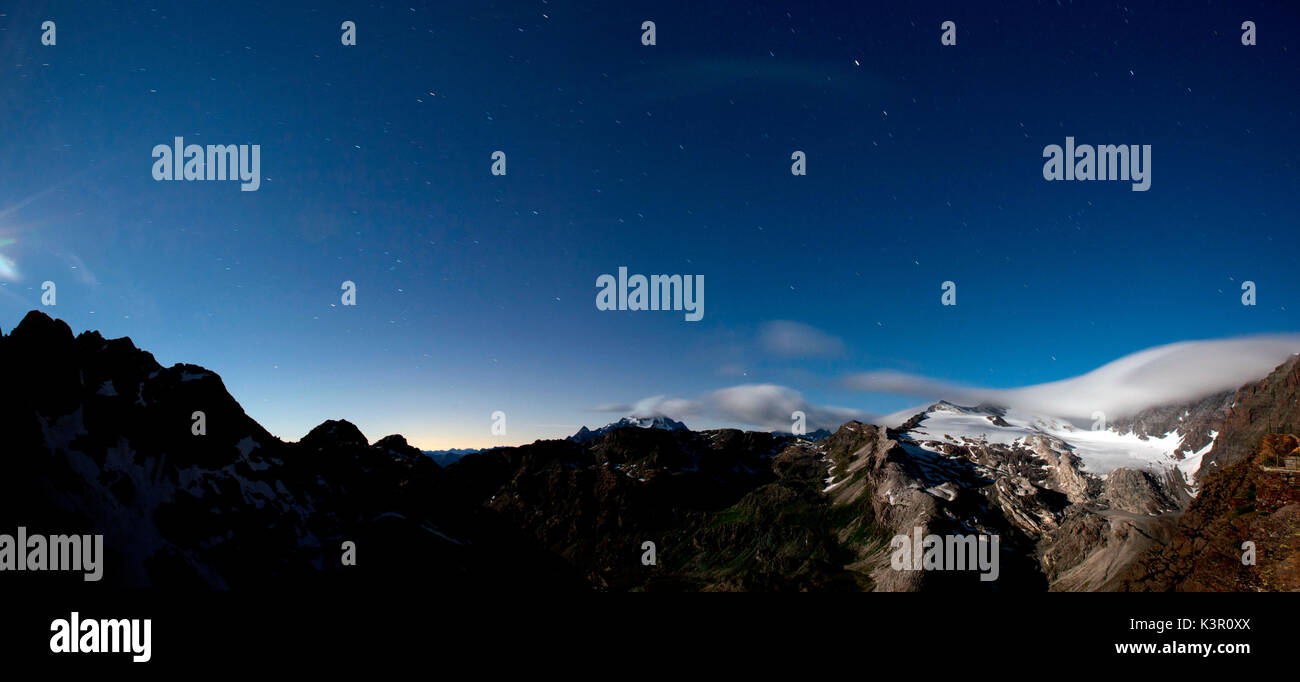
1205,550
1270,405
1066,517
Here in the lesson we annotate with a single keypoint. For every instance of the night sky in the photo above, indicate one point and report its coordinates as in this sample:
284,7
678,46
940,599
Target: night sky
476,293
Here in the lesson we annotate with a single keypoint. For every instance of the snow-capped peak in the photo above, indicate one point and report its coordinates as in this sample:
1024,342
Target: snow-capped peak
658,422
1101,450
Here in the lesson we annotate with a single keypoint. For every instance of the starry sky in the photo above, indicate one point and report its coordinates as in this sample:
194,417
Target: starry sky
476,293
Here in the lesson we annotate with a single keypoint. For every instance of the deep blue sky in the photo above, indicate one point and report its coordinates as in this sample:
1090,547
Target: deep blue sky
476,293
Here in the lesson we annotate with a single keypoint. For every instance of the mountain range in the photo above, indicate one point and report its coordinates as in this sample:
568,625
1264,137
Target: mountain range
446,458
102,439
662,423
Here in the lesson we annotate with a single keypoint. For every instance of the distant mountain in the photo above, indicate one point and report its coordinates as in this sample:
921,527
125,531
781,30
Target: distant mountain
446,458
814,436
663,423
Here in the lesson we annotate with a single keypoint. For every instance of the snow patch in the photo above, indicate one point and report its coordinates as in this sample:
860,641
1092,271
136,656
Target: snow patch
1191,463
1100,451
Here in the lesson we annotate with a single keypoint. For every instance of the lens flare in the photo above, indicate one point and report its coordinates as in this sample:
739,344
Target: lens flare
8,269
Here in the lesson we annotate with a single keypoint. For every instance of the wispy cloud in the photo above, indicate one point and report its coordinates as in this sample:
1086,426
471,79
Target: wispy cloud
795,339
765,406
665,406
1162,375
770,406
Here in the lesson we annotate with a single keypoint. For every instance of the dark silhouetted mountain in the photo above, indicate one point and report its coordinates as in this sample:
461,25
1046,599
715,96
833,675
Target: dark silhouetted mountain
101,439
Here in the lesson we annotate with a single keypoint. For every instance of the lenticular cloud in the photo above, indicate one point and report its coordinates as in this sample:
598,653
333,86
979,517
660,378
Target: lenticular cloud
1163,375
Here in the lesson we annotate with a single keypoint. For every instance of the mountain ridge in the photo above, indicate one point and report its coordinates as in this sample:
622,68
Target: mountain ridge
109,446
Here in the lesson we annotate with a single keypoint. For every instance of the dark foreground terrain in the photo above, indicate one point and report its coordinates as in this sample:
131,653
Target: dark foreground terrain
100,439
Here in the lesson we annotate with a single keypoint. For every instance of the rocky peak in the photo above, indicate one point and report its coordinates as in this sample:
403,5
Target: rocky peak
333,433
397,444
37,327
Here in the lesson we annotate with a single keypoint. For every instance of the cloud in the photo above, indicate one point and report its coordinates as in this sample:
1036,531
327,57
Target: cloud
766,406
659,405
1163,375
784,337
770,406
